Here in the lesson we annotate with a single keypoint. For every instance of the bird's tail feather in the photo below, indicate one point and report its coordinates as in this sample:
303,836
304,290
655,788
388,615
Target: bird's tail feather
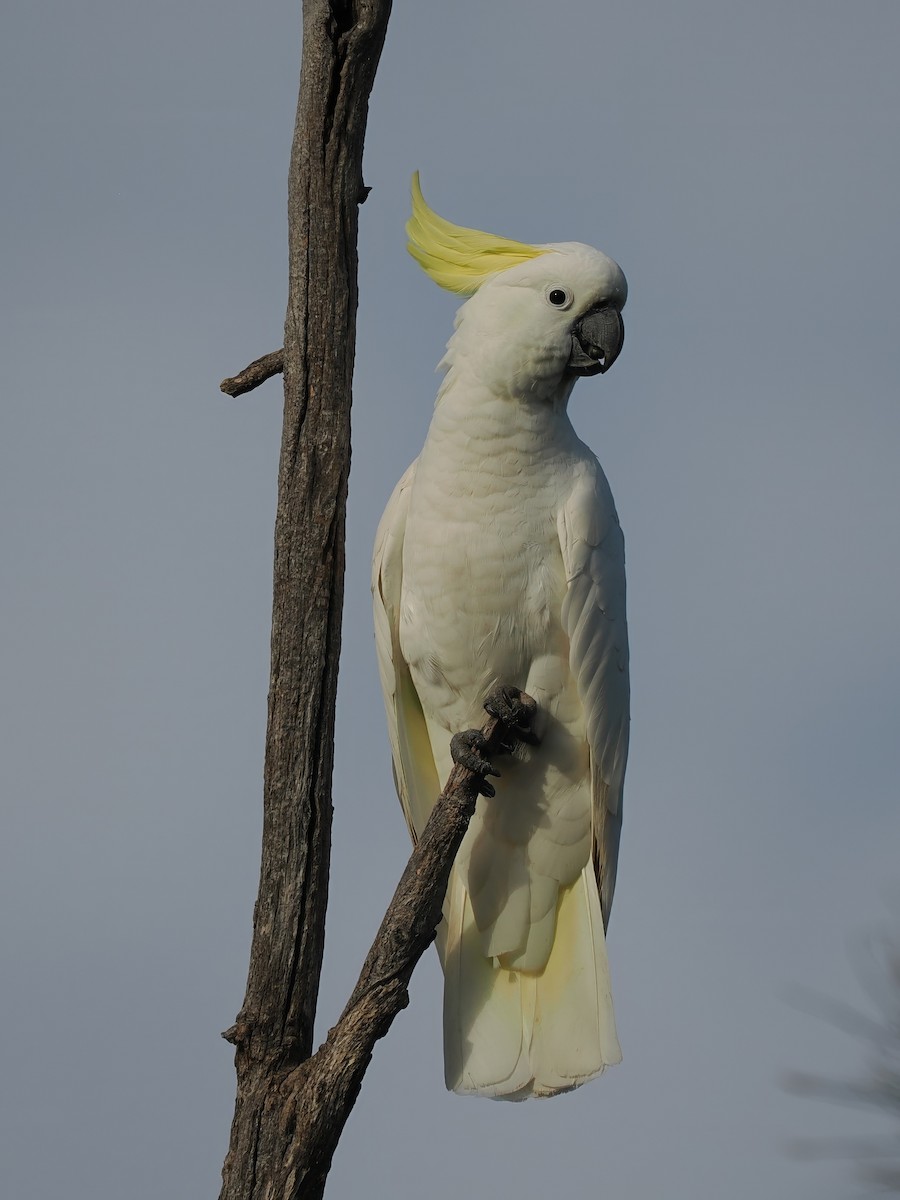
514,1034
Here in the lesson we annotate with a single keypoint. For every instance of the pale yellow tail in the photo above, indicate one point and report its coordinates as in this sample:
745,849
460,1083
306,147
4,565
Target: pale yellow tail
515,1034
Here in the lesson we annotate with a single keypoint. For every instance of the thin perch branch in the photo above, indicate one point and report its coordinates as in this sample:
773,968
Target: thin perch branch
316,1098
251,377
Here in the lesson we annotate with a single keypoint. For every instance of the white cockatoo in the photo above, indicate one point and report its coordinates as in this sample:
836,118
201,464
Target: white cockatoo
500,560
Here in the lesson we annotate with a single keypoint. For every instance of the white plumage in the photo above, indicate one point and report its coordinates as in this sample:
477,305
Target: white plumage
500,559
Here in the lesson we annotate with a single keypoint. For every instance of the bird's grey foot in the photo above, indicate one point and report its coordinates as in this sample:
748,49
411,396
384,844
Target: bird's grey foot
467,750
517,711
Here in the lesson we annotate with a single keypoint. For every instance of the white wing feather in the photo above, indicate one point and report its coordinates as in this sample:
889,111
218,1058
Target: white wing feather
415,774
593,616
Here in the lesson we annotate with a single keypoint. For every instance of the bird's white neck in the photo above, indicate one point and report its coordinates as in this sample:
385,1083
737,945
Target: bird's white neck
480,425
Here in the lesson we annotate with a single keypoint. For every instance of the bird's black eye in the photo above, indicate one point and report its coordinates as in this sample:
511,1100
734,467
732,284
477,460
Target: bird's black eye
559,297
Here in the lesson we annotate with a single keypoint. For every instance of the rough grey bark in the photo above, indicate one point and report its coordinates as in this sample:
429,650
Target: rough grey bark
342,43
301,1110
315,1099
251,377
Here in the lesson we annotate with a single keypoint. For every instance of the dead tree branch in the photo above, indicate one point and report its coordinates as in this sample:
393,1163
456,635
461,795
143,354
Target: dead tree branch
251,377
315,1099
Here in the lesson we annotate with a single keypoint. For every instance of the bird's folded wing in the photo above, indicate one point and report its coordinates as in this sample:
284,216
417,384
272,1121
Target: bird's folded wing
415,775
593,616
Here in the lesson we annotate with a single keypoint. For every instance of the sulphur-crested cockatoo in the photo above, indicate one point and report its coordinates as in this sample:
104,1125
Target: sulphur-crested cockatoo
500,560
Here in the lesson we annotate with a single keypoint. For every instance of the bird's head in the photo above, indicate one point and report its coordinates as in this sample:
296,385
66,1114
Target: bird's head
538,316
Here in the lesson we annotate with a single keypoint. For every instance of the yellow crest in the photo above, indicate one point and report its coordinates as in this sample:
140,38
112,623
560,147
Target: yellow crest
457,258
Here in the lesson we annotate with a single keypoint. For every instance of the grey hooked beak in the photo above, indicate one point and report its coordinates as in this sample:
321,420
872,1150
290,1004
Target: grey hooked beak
597,338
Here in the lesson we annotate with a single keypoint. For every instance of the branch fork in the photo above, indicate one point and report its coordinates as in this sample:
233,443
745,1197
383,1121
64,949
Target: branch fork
315,1097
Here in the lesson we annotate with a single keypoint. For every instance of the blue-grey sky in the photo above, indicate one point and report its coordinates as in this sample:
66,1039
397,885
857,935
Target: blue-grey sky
741,163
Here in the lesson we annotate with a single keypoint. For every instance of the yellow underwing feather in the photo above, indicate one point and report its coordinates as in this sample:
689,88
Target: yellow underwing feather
457,258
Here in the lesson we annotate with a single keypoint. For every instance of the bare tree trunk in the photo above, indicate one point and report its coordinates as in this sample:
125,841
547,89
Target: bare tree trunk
342,43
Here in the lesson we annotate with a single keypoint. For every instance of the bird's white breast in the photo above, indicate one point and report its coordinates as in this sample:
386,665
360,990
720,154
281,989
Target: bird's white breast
483,578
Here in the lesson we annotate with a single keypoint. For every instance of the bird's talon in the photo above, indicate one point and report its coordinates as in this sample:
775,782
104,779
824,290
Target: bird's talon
516,710
501,703
466,750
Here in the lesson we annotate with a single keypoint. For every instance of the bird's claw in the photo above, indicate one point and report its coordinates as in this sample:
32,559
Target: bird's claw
467,750
517,711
